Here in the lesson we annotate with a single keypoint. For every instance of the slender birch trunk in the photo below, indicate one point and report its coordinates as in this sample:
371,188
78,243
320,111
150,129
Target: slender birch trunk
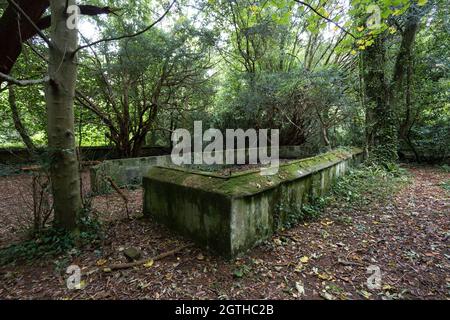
60,91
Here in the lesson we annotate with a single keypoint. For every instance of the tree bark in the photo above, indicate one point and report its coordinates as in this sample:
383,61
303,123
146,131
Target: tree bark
60,92
18,121
383,103
381,126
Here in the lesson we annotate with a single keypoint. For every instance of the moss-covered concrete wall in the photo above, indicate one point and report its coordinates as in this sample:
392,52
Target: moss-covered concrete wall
129,172
123,172
229,215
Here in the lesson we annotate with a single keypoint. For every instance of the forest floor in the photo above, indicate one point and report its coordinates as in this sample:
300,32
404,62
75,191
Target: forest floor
405,233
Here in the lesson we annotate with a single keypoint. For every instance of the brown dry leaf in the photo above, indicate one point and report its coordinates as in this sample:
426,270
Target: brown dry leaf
324,276
200,257
101,262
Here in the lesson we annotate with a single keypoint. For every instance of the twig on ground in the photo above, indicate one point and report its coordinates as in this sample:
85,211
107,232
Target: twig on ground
143,261
349,263
121,194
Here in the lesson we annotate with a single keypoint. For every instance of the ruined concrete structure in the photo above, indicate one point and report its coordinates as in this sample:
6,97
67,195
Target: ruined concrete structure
129,172
230,214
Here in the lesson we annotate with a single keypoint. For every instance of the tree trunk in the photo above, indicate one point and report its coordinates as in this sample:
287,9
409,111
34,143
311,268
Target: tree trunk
381,128
404,66
18,122
138,144
60,92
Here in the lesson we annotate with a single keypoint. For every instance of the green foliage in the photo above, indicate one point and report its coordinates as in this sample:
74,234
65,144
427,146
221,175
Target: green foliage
250,64
446,185
293,213
30,103
430,109
241,271
53,242
298,103
357,187
314,209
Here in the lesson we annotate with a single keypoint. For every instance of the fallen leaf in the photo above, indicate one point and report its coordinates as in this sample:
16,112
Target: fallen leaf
81,285
299,267
327,296
200,257
324,276
304,259
101,262
365,294
300,287
149,263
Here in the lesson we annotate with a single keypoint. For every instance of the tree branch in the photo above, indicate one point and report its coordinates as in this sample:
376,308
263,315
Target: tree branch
128,35
86,10
325,18
22,83
30,21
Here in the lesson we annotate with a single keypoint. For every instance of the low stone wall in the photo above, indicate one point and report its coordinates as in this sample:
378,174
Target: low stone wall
124,172
129,172
231,214
21,155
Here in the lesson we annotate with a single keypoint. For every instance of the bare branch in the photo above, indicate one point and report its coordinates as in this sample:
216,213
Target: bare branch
22,83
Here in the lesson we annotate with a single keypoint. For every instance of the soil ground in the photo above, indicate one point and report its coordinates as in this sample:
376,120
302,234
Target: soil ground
405,237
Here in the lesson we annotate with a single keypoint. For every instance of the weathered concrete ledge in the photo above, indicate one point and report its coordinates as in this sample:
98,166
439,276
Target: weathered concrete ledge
129,172
231,214
124,172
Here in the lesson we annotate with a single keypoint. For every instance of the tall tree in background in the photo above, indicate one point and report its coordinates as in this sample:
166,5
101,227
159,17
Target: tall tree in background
381,133
383,86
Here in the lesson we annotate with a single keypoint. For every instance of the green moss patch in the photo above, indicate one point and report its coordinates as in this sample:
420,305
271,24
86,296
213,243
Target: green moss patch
250,182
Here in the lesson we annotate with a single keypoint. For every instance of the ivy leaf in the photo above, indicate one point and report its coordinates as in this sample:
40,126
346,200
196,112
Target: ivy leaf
238,273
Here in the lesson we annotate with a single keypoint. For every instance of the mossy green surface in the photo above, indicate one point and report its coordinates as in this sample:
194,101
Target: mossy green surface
249,182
